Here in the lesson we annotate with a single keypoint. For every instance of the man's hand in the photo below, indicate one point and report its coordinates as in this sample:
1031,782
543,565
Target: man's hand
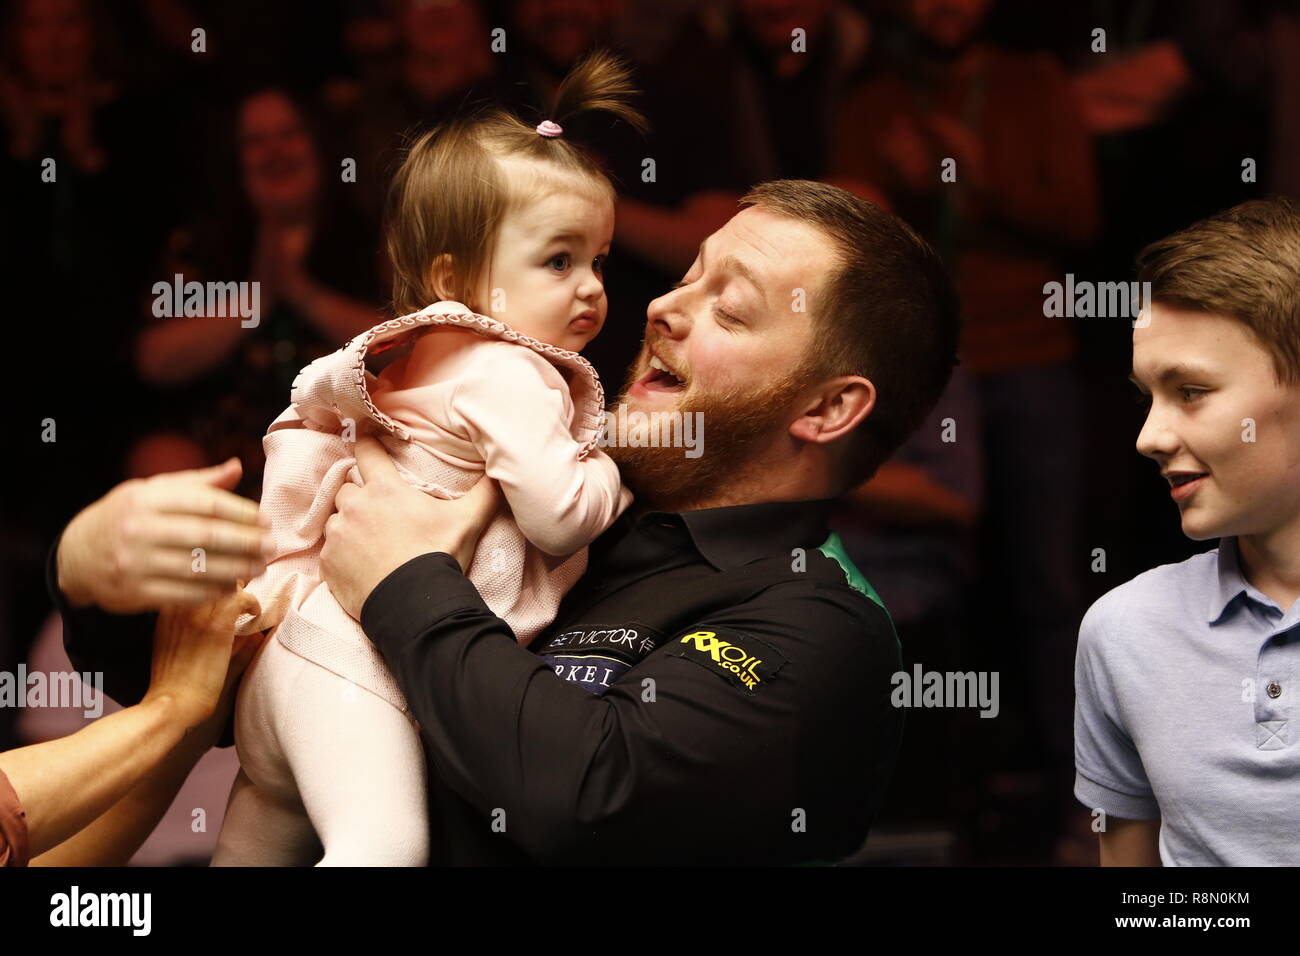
197,660
383,523
134,549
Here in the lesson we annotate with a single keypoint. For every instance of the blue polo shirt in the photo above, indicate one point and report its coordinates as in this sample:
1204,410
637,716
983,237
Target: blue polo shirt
1187,680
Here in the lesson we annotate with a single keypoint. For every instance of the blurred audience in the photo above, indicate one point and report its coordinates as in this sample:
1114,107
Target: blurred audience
287,227
986,151
911,532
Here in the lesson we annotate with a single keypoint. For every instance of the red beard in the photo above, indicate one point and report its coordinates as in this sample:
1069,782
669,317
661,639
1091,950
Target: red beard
737,426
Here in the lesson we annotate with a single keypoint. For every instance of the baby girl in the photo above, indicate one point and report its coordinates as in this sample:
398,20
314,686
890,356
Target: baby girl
504,228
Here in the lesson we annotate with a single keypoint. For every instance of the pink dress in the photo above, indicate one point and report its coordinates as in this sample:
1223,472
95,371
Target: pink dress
462,395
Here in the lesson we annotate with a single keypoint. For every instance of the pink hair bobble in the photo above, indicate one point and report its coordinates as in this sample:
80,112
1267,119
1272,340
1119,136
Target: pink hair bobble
548,129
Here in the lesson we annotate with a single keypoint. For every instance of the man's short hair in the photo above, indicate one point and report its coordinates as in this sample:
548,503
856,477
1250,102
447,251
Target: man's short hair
1242,264
888,312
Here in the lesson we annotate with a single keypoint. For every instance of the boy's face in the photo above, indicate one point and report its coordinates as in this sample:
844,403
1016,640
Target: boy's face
1218,412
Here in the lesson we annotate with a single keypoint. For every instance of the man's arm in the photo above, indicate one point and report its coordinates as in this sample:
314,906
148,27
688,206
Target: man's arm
1130,843
678,761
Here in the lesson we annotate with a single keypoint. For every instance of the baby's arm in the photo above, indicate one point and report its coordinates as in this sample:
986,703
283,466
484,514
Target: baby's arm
514,406
304,469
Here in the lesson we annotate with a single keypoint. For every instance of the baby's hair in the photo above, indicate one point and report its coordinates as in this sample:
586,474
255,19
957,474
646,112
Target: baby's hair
450,194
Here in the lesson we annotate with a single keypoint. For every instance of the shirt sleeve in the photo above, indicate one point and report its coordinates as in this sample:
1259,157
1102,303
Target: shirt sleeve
1109,774
516,409
14,849
760,735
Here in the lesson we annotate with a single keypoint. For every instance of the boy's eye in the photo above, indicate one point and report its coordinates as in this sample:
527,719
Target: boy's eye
598,263
559,261
1189,393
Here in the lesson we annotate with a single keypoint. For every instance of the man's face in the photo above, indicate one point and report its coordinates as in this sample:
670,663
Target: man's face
1217,411
729,341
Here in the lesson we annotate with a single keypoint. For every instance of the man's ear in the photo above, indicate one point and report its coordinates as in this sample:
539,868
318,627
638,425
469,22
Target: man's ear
838,406
441,275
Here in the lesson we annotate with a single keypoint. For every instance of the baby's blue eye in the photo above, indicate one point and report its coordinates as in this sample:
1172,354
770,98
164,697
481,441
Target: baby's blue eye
562,258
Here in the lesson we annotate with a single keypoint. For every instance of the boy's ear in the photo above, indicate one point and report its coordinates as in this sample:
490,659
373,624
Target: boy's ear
440,276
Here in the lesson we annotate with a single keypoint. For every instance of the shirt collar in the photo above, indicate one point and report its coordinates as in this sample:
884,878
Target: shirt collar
1229,582
738,534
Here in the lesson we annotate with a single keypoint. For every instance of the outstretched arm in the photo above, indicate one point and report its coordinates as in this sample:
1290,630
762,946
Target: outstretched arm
132,551
109,782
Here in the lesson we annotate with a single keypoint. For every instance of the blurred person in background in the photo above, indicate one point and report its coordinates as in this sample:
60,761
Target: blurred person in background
416,63
1024,195
756,104
286,227
911,532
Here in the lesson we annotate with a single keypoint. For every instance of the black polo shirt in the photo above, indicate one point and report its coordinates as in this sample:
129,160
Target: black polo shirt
713,690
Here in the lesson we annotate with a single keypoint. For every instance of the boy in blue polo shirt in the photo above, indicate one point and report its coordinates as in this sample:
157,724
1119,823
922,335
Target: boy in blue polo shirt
1187,678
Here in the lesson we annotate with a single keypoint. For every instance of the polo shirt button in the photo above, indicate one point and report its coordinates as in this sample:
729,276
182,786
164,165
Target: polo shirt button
1274,689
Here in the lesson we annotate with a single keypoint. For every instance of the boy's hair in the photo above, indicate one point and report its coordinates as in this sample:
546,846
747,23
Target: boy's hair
450,194
1243,264
888,312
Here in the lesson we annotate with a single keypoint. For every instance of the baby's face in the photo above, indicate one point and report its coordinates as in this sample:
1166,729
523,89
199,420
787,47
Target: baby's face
547,276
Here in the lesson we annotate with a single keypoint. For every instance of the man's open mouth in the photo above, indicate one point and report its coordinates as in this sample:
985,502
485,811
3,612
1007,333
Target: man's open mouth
660,379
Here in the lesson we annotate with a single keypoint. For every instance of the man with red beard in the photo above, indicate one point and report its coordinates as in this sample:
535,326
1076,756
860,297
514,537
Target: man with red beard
717,686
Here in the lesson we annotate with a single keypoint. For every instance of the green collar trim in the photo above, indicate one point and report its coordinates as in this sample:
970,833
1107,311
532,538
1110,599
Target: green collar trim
833,548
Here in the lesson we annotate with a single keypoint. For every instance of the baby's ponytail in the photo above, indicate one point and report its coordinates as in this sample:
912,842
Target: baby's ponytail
452,192
602,83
